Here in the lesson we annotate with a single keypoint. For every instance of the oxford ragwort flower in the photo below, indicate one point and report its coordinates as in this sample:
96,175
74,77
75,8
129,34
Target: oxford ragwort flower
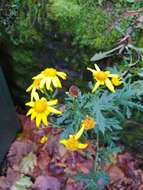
50,78
102,78
88,123
72,142
33,88
40,109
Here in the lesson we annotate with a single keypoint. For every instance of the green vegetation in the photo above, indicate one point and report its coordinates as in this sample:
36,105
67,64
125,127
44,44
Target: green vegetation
64,35
83,26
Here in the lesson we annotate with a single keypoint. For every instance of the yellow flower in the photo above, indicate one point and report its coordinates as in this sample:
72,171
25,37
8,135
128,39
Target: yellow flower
102,78
33,88
40,109
50,77
43,140
88,123
116,80
72,142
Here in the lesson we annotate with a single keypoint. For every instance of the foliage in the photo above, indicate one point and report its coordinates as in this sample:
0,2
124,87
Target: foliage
79,25
94,116
87,22
94,181
17,23
8,13
108,110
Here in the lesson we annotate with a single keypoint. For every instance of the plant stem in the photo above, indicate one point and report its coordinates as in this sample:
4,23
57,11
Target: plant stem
96,156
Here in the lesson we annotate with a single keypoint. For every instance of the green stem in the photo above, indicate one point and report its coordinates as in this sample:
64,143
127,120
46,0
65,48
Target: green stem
97,154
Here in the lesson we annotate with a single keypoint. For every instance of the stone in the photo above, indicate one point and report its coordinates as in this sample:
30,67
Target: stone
9,125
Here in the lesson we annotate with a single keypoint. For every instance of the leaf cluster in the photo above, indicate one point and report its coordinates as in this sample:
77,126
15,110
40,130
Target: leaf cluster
94,181
108,110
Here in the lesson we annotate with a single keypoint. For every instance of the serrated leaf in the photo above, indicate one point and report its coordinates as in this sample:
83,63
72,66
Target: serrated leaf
102,55
135,48
140,73
137,86
22,184
99,56
28,163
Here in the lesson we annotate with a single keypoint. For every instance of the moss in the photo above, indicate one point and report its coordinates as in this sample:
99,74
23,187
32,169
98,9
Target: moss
140,42
68,30
24,67
90,24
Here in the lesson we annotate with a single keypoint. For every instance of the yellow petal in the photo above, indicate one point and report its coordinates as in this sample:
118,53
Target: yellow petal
113,75
29,88
52,102
56,82
44,119
48,83
96,86
29,112
53,110
31,104
34,95
38,76
62,75
42,82
96,67
44,139
44,99
82,146
38,120
116,81
108,73
79,133
109,85
33,115
92,70
63,141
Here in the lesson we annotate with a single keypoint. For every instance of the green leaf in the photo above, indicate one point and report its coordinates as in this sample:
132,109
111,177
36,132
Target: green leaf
130,1
102,55
28,163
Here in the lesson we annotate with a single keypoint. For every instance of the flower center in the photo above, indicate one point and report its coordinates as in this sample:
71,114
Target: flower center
101,76
72,143
49,72
37,83
89,122
40,106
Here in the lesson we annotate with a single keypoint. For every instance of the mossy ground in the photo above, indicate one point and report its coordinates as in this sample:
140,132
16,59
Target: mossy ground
69,30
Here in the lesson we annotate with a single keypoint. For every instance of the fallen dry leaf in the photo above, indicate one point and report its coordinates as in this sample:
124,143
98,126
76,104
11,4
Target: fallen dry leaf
47,183
115,174
28,163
